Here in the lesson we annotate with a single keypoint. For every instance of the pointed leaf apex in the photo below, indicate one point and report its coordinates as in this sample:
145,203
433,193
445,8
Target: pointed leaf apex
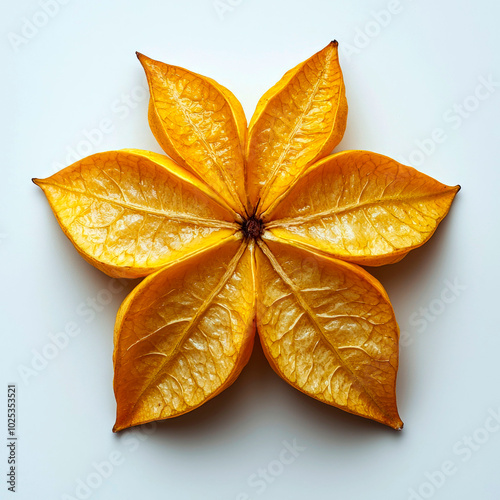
142,58
116,428
398,425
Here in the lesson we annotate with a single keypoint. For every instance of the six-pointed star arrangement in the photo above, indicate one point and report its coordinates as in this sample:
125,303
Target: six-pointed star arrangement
242,228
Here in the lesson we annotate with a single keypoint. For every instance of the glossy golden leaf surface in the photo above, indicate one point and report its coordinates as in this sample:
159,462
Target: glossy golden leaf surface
201,125
329,330
184,334
249,227
300,119
130,213
362,207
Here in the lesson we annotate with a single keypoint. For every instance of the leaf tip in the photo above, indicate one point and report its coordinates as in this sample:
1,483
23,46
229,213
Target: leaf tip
142,58
119,426
36,181
332,47
454,190
397,424
147,63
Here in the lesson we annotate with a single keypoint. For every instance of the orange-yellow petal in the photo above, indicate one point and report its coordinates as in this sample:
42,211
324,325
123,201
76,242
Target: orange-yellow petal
132,212
184,334
328,329
362,207
297,121
201,125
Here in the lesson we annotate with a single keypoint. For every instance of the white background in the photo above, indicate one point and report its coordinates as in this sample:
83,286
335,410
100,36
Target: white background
409,76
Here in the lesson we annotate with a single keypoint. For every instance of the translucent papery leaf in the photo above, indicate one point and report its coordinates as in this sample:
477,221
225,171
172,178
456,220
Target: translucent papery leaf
132,212
328,329
201,125
362,207
184,334
297,121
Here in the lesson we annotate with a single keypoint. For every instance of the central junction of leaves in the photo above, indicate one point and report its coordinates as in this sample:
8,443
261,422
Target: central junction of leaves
252,227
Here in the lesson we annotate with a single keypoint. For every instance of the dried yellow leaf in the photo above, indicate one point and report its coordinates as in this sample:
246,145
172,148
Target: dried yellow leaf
201,125
362,207
298,120
130,213
184,334
318,316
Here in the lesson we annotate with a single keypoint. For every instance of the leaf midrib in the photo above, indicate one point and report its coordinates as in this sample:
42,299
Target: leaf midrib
278,163
227,182
150,211
194,321
295,221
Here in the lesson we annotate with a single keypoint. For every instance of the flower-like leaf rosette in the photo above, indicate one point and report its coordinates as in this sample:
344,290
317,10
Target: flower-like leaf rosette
241,228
